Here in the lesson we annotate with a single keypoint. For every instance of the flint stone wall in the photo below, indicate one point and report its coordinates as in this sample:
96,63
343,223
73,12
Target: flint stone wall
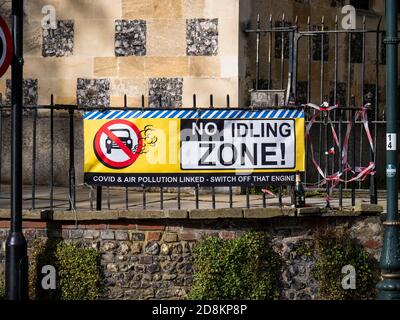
154,260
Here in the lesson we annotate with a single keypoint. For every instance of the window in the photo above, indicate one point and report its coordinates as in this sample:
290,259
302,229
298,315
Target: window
279,42
356,47
361,4
337,3
317,45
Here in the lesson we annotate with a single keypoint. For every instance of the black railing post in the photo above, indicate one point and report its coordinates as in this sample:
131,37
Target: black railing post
34,134
52,152
99,196
258,53
72,200
16,246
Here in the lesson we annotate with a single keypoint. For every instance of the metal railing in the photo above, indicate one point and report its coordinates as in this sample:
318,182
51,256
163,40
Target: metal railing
282,45
321,61
71,116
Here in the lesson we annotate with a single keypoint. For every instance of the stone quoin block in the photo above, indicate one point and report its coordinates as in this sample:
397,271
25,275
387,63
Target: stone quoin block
30,90
169,90
130,38
91,234
76,234
107,235
121,235
166,37
170,237
59,42
166,67
202,37
137,236
93,92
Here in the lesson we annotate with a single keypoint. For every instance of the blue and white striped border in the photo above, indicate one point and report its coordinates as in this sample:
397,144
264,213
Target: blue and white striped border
195,114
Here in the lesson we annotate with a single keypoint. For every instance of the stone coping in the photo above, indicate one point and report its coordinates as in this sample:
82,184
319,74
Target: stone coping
195,214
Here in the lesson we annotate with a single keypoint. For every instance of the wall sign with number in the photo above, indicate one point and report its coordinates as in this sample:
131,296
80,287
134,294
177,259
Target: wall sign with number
391,142
193,147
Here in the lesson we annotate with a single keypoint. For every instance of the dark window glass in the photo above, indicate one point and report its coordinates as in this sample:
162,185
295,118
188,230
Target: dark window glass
302,88
317,45
360,4
356,47
337,3
383,49
341,92
278,40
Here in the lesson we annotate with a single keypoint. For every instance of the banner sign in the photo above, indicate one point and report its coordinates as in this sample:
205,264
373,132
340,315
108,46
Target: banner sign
193,147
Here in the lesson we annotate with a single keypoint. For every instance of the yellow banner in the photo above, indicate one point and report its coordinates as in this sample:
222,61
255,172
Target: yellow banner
181,147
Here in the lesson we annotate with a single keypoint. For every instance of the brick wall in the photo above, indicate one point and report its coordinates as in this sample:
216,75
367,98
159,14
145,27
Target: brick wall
143,259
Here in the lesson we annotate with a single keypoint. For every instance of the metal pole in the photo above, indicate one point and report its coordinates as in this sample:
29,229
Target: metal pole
99,198
16,247
389,287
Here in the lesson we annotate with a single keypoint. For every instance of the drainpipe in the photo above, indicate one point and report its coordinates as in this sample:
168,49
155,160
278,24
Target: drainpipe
389,287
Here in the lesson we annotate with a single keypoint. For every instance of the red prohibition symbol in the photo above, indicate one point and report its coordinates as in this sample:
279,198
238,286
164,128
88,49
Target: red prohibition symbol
118,144
6,47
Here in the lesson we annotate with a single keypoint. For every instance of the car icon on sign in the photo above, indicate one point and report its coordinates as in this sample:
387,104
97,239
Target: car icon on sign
122,134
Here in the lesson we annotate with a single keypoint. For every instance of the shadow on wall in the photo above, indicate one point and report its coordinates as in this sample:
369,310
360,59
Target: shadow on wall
42,48
32,28
43,145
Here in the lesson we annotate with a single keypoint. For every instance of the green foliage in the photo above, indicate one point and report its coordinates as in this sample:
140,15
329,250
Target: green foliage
77,267
2,289
243,268
336,251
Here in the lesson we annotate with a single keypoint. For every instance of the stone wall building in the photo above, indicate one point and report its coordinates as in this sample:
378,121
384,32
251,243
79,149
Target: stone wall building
169,50
102,50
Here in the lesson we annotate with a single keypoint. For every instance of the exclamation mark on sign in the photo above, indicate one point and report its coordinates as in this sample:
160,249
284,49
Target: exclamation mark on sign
283,162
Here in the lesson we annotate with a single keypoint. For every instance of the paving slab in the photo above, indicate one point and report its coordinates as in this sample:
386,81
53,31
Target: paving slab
114,199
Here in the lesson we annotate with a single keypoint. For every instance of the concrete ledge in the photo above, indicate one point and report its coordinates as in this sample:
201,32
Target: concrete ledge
267,213
234,213
82,215
176,214
141,214
198,214
309,211
33,215
343,213
26,214
153,214
368,209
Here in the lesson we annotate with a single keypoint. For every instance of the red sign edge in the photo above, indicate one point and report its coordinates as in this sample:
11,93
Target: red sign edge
9,46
